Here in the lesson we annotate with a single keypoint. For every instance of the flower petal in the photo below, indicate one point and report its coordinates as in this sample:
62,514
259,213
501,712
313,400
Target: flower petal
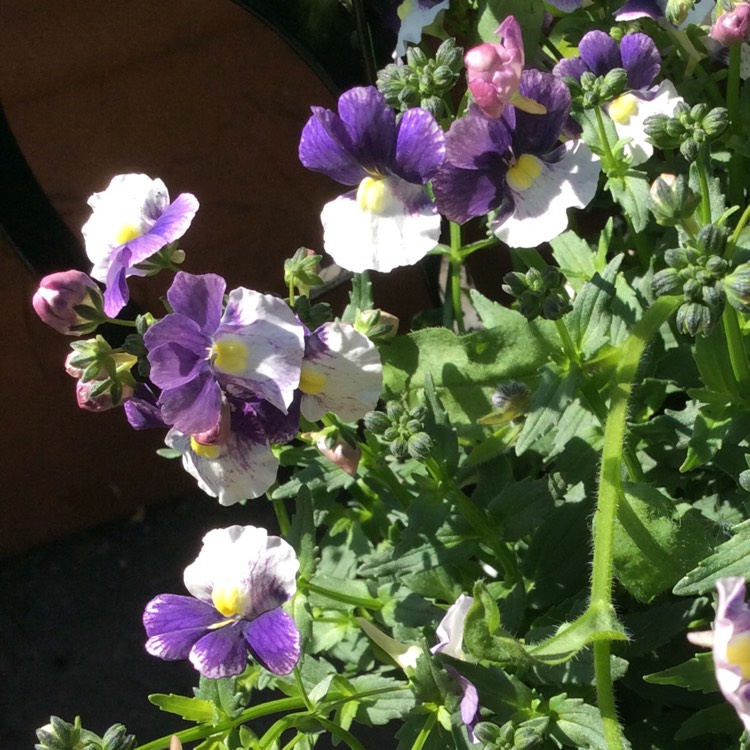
450,631
221,652
600,52
634,9
274,641
415,16
570,67
420,146
641,60
359,240
177,351
539,134
462,194
199,298
193,407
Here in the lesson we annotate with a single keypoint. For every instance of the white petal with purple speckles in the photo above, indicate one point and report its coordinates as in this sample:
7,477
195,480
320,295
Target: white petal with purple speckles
541,211
244,469
351,366
274,640
400,234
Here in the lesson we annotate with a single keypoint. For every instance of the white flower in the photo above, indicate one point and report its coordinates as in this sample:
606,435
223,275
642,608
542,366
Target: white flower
450,631
415,15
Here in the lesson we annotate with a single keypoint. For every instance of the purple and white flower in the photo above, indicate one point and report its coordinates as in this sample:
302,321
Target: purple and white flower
341,372
239,582
638,56
683,13
388,220
132,219
517,168
58,296
415,15
450,631
253,350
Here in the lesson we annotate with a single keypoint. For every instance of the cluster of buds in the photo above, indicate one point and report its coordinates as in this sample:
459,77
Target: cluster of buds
70,302
672,202
732,26
689,129
301,271
510,736
539,293
422,82
594,91
60,735
403,430
103,374
697,271
377,325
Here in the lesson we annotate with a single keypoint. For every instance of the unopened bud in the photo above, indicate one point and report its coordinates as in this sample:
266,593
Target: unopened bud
671,200
732,27
99,395
377,422
376,324
342,454
737,288
58,296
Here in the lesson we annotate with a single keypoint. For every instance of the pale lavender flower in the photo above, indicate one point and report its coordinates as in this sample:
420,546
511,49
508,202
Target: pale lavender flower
239,582
415,15
197,353
388,220
57,297
493,70
680,13
132,219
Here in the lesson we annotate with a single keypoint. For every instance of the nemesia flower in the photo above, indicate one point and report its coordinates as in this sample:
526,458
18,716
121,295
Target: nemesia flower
517,167
132,219
450,631
239,582
341,372
389,220
415,15
638,56
493,71
656,9
253,349
58,295
732,27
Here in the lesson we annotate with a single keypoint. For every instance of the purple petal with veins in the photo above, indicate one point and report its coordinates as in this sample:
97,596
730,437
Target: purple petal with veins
221,652
420,146
274,641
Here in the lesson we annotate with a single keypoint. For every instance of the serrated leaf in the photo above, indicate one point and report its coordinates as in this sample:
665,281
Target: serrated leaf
654,546
709,430
729,559
697,673
576,259
631,192
190,709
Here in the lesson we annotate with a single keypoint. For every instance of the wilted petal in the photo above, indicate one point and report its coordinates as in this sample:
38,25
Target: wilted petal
274,641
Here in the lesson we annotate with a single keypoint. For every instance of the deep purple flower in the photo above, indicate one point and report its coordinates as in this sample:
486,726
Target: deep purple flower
517,167
240,580
58,295
132,219
253,350
142,410
565,5
388,220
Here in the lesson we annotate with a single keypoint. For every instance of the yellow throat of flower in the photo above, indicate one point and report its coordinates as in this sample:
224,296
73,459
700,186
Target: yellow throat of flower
738,653
227,600
522,174
311,381
623,108
205,451
372,195
127,232
230,355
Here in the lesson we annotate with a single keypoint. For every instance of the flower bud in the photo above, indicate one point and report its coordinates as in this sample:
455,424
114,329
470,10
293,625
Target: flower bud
419,446
716,121
737,288
667,281
493,71
377,422
732,27
713,239
677,11
101,395
343,455
671,200
58,296
376,324
614,84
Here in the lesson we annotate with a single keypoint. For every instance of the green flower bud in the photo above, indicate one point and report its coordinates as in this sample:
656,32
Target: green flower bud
391,433
676,257
689,149
488,733
713,239
671,200
677,10
377,422
694,318
715,122
399,448
716,266
693,290
420,446
449,55
117,738
555,306
444,78
394,410
415,58
667,281
418,412
408,97
737,288
614,84
413,426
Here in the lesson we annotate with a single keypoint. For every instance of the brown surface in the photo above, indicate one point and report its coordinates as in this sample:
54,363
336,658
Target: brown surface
201,94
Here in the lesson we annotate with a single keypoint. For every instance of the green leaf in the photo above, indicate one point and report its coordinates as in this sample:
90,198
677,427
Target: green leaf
190,709
576,260
697,673
712,358
597,623
550,399
302,534
729,559
521,507
376,710
631,192
360,297
709,430
721,719
654,546
223,693
577,724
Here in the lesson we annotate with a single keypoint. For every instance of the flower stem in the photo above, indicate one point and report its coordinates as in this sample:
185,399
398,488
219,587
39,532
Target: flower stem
424,732
282,517
609,496
736,346
120,322
612,166
357,601
737,162
456,261
700,165
734,239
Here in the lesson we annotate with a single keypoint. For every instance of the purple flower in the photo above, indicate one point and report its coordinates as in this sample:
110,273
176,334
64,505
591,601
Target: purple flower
517,168
732,27
131,220
493,71
680,13
341,372
253,350
388,220
450,631
58,295
240,580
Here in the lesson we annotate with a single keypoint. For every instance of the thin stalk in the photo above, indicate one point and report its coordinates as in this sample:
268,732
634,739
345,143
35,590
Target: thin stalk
456,264
301,687
282,517
737,162
119,322
467,250
424,732
700,165
736,346
612,166
341,733
610,490
734,239
357,601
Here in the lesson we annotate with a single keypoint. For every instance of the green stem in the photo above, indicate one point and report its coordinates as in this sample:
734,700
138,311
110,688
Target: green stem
202,731
357,601
424,732
456,260
734,239
119,322
700,165
467,250
612,165
609,495
570,349
301,687
282,517
736,346
341,733
737,162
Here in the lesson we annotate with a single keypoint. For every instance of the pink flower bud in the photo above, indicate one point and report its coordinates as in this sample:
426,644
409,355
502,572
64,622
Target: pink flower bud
343,455
58,294
732,27
102,402
493,71
70,368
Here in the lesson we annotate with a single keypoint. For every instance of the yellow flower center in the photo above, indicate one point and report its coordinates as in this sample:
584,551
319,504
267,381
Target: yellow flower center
311,381
372,195
738,653
230,355
522,174
228,601
205,451
127,232
623,108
